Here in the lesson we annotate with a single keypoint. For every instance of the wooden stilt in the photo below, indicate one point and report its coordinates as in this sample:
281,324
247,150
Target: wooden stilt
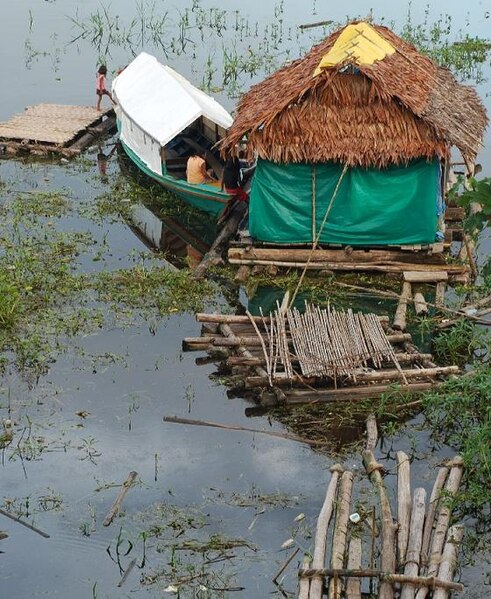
430,517
399,323
353,585
420,305
340,530
304,584
448,563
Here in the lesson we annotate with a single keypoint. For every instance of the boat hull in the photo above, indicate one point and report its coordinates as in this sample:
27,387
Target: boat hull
205,197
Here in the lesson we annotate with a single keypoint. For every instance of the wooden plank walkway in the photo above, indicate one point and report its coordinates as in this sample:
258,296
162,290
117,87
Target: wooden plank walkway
47,128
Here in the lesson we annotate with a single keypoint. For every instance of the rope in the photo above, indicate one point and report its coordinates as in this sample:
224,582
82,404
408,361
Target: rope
316,238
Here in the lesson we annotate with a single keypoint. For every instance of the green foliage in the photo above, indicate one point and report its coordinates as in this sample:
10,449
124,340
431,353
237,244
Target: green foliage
459,413
9,301
458,344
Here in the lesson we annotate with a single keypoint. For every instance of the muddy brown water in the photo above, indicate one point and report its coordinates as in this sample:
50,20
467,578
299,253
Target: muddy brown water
195,482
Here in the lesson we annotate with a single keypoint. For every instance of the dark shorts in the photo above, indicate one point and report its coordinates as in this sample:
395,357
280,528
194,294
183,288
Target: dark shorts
102,92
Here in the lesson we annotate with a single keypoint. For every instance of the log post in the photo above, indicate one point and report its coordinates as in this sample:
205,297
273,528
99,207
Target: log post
414,542
340,531
403,504
388,559
430,517
372,432
451,487
420,305
304,584
317,582
449,560
353,586
440,294
399,323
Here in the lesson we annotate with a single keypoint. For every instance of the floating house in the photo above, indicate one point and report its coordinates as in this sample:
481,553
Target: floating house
353,143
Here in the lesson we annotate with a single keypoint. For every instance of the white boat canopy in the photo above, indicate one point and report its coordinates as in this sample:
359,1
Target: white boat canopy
154,104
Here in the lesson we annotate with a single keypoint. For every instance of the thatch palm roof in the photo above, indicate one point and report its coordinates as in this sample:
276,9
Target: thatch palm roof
371,101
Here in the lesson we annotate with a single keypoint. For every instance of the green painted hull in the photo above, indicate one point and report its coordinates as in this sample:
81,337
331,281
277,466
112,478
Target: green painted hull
205,197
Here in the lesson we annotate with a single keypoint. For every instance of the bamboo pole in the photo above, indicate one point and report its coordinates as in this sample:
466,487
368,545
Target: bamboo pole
403,504
399,323
340,530
244,319
317,582
387,560
449,560
430,517
304,584
353,585
413,552
451,487
419,581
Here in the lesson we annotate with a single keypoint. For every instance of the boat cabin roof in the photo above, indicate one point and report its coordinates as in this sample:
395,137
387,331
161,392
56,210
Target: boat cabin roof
161,102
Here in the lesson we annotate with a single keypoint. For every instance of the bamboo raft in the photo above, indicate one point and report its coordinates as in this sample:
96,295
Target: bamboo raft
411,554
317,356
54,129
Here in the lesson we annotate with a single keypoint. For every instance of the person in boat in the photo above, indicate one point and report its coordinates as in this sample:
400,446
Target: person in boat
196,172
232,179
100,88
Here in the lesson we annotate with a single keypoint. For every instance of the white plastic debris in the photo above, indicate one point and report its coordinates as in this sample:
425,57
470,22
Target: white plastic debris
288,544
355,517
171,589
299,518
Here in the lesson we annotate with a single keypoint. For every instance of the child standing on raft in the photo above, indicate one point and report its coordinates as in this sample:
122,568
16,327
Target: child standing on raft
100,88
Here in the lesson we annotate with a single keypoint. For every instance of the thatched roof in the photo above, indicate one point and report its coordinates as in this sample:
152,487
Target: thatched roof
363,110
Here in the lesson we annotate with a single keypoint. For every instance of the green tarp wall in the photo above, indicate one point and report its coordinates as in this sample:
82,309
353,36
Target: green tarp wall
396,205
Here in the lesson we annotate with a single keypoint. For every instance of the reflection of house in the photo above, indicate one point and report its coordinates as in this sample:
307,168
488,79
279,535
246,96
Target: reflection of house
359,129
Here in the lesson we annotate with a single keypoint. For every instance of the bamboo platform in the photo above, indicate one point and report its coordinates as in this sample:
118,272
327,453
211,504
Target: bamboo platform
318,356
54,129
407,553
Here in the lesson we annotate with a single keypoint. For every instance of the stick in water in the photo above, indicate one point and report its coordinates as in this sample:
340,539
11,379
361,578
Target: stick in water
29,526
113,512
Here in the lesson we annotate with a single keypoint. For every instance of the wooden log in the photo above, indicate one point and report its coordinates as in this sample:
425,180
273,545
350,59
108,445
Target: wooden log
402,358
319,556
346,255
340,530
418,581
116,506
440,294
244,319
302,396
304,583
420,305
372,432
414,542
353,585
388,553
425,277
237,212
449,560
361,377
399,323
403,504
430,517
242,275
397,267
451,487
26,524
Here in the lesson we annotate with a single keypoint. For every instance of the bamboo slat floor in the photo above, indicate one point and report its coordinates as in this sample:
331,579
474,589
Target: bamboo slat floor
50,127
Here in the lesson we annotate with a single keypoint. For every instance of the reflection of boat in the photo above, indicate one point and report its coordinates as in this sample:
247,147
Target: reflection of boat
163,119
183,243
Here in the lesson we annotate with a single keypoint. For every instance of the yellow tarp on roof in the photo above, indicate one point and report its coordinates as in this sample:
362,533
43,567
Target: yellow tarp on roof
359,44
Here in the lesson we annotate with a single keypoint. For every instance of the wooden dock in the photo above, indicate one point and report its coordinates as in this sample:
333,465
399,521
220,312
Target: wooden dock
46,129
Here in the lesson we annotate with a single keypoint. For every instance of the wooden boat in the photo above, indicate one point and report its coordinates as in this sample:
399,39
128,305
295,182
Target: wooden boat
162,120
